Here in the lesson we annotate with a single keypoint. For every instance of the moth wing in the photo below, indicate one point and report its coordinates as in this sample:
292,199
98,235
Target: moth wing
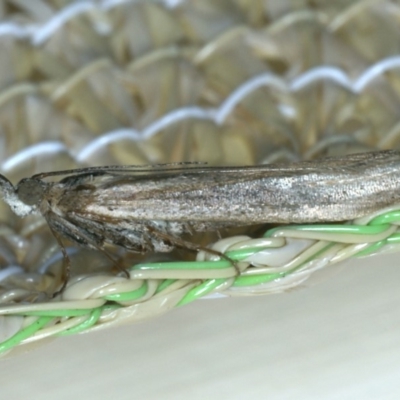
171,179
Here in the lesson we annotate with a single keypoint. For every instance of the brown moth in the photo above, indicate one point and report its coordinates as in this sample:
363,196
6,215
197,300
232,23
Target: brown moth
149,208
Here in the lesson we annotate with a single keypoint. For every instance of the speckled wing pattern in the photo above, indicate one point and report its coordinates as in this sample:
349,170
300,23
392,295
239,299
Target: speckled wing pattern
327,190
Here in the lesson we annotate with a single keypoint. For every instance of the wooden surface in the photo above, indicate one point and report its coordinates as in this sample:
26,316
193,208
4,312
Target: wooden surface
338,339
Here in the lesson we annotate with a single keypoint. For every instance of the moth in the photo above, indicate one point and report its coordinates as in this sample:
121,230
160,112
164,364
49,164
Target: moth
149,208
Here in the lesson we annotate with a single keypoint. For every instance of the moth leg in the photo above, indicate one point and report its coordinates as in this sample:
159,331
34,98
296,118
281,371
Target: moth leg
66,270
92,243
178,242
60,226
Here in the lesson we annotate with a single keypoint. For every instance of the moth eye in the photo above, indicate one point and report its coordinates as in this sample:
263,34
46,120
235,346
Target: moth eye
30,191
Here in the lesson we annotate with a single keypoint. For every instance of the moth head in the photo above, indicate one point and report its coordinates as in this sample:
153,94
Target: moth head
25,198
30,191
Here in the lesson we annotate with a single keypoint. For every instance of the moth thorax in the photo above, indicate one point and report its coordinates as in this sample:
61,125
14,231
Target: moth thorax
30,191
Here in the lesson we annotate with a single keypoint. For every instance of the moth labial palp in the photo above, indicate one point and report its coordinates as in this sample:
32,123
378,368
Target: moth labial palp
149,208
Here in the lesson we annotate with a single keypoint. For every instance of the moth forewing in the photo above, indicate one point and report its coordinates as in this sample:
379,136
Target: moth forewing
334,189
